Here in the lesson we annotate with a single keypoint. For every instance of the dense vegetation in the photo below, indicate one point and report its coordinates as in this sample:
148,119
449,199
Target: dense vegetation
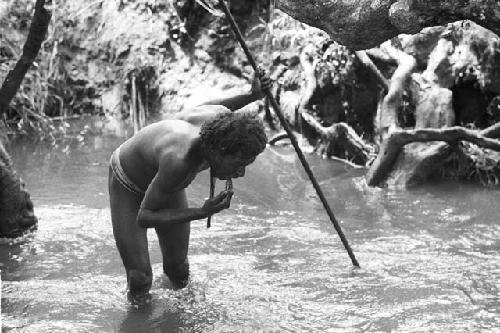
94,62
132,58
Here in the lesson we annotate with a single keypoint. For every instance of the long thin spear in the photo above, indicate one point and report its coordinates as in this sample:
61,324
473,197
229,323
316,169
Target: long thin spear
288,130
212,192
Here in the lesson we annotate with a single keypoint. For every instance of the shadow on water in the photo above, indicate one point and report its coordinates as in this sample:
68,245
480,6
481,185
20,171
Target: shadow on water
271,263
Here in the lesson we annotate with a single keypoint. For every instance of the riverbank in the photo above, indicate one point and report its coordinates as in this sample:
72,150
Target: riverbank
177,54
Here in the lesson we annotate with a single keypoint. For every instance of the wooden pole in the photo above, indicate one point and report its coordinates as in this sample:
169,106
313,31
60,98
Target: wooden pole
211,195
288,130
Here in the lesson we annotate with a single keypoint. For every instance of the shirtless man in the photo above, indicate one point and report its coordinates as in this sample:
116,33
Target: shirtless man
149,172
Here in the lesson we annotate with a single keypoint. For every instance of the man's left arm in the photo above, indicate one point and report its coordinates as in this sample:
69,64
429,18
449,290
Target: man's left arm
260,83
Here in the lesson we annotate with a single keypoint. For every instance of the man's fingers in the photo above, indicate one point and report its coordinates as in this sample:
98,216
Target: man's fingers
221,201
266,82
219,197
261,81
227,199
222,196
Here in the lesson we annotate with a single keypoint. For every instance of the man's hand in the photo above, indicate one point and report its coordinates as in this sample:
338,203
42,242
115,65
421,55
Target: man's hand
261,82
219,202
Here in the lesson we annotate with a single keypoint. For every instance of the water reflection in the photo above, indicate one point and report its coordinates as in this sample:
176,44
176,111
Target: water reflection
272,263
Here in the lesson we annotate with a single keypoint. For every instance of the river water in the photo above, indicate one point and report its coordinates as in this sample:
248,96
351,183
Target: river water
430,257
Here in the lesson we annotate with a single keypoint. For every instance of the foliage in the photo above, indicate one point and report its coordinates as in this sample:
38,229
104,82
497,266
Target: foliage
89,48
23,111
280,34
485,165
472,163
337,64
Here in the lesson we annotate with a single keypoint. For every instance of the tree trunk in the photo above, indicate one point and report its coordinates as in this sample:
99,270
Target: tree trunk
341,136
36,35
16,208
387,117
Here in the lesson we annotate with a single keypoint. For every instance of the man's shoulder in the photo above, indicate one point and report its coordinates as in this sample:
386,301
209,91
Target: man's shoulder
164,127
201,113
163,135
212,107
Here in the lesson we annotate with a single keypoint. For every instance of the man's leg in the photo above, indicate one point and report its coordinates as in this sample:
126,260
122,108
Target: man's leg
174,243
130,238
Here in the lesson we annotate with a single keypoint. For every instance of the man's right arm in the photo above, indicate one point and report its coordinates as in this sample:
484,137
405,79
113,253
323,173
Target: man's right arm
148,218
158,208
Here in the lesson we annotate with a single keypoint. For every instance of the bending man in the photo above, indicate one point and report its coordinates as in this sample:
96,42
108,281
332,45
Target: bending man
150,171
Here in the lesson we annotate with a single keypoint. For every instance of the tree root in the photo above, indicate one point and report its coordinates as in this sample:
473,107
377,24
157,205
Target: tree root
398,138
340,135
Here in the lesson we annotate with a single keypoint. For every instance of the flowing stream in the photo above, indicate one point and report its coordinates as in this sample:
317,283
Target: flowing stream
430,257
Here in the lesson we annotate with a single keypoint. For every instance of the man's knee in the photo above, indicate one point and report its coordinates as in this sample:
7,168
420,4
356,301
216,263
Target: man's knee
177,273
139,282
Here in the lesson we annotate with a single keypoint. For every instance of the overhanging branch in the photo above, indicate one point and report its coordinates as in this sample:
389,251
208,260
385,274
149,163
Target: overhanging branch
364,24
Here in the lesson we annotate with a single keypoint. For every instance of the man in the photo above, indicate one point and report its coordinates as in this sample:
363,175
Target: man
150,171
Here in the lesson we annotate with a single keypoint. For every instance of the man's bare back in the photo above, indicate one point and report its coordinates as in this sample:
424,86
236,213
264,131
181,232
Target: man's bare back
150,171
171,139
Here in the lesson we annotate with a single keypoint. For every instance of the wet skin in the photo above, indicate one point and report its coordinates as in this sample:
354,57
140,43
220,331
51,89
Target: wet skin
164,158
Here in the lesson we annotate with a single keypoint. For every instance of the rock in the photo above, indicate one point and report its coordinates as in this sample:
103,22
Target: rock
366,23
457,76
434,108
16,208
417,163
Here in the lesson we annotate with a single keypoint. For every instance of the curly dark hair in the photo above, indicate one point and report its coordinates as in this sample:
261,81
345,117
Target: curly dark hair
230,133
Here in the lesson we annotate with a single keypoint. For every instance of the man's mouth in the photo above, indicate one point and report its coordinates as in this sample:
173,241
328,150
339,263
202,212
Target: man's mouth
227,177
223,177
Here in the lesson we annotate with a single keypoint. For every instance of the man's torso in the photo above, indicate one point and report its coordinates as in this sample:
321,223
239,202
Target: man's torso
140,155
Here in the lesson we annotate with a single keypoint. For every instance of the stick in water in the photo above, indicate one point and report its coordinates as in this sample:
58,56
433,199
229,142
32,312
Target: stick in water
229,184
212,192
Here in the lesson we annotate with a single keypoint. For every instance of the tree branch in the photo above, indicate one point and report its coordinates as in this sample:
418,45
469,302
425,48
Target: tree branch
388,112
397,138
368,63
342,135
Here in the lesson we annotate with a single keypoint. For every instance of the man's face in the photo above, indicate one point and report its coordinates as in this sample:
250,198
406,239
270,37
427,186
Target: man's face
229,166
